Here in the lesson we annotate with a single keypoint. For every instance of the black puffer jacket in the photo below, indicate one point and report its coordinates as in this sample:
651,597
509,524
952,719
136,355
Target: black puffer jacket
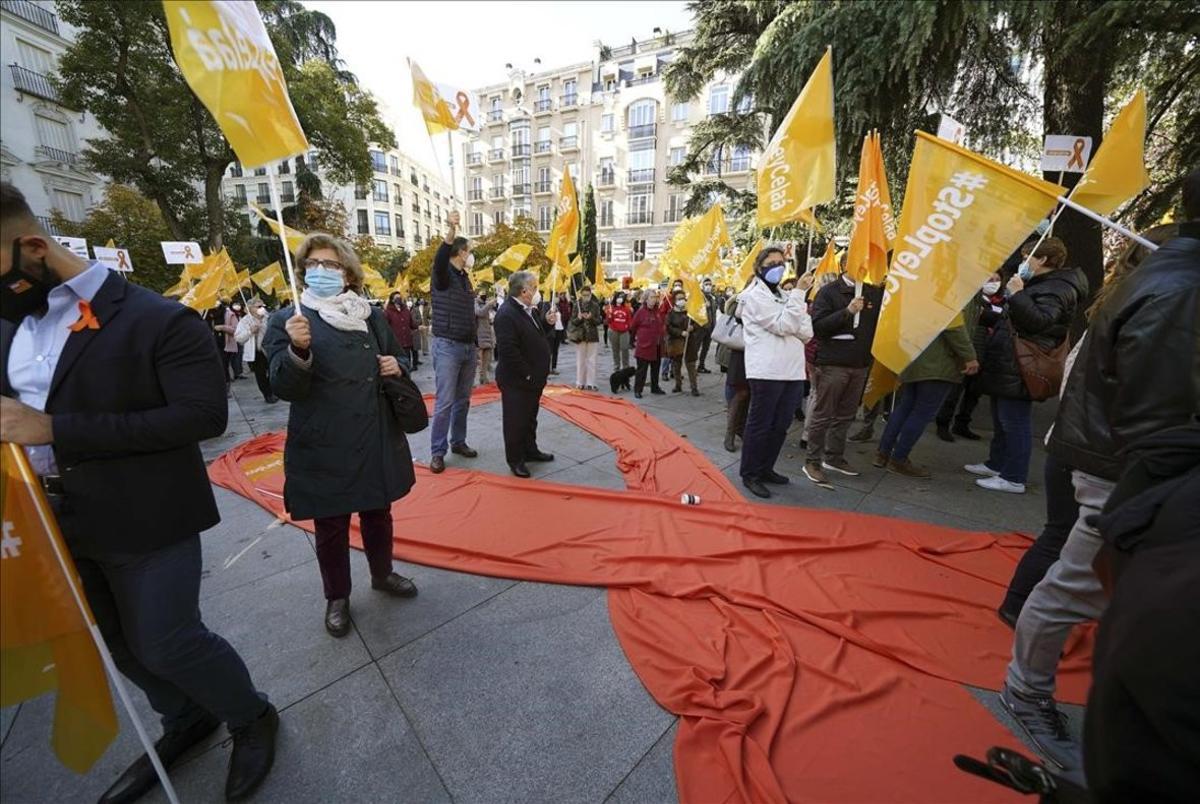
1138,371
1041,313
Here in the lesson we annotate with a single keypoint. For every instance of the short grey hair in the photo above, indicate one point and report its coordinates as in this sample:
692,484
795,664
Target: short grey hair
519,281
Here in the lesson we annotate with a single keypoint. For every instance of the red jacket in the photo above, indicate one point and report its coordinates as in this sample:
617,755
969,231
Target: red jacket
619,318
647,330
402,324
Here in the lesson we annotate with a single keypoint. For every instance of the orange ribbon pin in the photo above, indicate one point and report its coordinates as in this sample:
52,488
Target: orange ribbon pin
87,319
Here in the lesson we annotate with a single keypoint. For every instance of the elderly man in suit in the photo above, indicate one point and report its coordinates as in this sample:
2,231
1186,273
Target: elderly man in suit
111,388
524,363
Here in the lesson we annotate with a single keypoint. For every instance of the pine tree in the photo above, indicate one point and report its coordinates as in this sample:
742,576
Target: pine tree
587,235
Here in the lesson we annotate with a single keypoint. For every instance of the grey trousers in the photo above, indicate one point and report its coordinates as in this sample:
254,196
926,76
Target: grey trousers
836,392
619,341
1069,594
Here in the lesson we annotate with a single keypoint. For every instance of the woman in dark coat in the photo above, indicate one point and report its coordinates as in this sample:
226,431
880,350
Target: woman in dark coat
647,331
678,327
345,452
1041,306
400,319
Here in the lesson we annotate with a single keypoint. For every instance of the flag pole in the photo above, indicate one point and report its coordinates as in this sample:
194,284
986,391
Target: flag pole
273,175
1103,221
69,575
453,181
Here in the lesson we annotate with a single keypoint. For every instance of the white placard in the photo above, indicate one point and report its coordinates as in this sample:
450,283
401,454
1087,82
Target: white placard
1066,153
76,245
117,259
952,130
182,252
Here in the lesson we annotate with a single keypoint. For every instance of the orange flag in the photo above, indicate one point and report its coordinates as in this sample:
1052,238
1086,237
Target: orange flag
867,254
45,624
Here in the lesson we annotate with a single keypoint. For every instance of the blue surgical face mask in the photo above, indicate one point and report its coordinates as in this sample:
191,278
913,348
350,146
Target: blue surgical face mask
774,274
1025,270
324,283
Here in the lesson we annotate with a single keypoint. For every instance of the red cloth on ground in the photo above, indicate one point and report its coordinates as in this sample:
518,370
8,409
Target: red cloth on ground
811,655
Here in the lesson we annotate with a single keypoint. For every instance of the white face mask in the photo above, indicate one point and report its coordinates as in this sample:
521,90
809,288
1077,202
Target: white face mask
991,288
537,299
409,305
469,262
261,312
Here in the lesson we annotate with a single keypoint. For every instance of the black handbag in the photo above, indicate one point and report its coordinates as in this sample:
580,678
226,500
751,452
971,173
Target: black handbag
403,395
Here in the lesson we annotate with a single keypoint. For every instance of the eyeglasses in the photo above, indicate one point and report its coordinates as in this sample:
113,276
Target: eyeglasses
332,265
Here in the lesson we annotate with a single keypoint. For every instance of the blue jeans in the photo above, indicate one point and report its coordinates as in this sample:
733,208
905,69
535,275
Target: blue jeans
918,404
454,374
773,405
1012,438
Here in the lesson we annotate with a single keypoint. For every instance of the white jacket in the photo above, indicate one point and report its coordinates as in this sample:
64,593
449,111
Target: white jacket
776,329
251,341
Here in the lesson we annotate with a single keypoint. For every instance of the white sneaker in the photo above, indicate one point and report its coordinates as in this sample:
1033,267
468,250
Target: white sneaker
1000,484
981,469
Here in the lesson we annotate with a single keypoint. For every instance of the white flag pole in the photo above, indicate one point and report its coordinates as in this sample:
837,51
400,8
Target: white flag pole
98,639
453,181
1107,222
858,288
273,175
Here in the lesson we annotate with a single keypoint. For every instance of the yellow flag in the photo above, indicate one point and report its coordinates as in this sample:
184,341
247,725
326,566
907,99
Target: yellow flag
205,294
564,237
486,274
178,289
746,270
269,279
401,284
867,254
1118,170
111,243
797,168
243,278
963,215
45,638
885,195
226,56
443,108
294,236
697,254
194,271
881,381
645,271
424,285
513,257
576,265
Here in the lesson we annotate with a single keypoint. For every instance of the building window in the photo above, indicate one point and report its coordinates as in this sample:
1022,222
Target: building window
679,112
608,172
412,177
476,223
399,226
393,164
606,212
569,93
235,170
639,250
606,250
641,118
476,191
741,158
261,171
69,204
641,209
417,232
499,217
545,218
363,226
285,167
607,123
239,192
383,224
360,193
543,180
288,194
379,190
641,166
570,137
718,99
744,105
378,161
676,156
674,208
264,193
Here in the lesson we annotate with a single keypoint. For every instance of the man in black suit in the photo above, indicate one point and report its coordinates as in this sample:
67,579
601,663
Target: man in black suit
524,363
111,388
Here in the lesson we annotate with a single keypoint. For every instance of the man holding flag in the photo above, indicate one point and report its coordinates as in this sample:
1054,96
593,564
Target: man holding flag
116,387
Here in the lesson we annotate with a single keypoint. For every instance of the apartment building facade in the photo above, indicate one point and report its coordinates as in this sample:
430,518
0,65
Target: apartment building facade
41,139
403,206
611,123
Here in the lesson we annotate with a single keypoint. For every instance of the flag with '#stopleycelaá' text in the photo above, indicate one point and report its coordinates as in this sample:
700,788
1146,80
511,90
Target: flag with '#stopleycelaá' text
963,215
223,50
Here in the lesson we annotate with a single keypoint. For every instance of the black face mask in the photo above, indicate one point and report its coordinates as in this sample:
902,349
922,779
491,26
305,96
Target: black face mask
23,292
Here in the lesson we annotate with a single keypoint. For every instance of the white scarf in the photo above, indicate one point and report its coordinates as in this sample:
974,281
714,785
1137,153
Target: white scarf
346,311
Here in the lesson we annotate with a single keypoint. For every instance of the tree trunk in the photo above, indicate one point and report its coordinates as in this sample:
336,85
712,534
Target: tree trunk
168,213
214,204
1073,97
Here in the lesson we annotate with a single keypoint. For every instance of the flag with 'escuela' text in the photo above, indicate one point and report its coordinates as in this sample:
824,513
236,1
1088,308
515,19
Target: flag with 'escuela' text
963,215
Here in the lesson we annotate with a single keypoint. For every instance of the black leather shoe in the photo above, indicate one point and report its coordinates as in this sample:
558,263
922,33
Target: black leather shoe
774,478
437,464
253,755
657,391
637,394
396,585
519,469
337,617
703,370
140,778
943,432
539,457
966,432
464,450
756,487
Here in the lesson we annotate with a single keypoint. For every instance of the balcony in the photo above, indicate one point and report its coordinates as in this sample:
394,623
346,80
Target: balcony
288,198
607,220
496,155
475,231
739,165
33,13
263,199
32,83
497,192
55,155
496,115
520,189
543,106
569,101
639,218
46,223
644,176
673,216
395,170
520,150
543,147
642,132
607,178
542,187
641,79
475,195
543,226
568,143
416,208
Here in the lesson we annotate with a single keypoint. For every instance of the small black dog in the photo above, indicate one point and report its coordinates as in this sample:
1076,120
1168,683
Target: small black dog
619,379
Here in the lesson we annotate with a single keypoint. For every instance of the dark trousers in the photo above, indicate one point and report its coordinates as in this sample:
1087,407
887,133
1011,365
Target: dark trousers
555,340
836,391
333,548
147,606
963,398
639,378
1061,512
231,372
414,356
518,413
1012,438
262,374
772,407
917,405
705,343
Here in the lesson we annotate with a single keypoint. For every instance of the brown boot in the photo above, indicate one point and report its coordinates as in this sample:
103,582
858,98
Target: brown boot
879,461
908,469
814,472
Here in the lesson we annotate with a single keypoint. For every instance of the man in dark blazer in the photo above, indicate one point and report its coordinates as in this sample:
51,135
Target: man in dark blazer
111,388
524,363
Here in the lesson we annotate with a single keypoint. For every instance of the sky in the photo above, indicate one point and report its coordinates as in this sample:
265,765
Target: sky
467,44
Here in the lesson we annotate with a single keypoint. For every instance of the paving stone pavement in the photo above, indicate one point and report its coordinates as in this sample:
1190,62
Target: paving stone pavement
480,689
